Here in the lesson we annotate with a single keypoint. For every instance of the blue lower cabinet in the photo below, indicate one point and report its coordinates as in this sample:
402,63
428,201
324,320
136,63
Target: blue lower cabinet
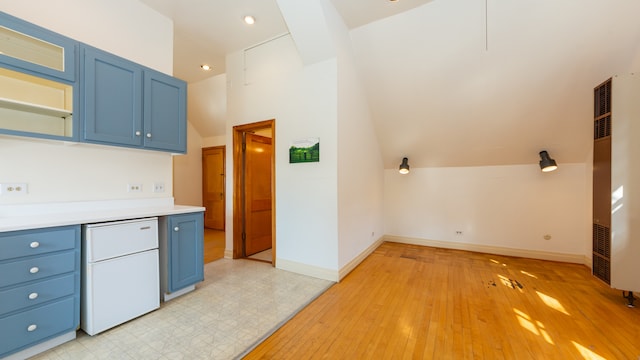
182,251
37,293
32,326
39,287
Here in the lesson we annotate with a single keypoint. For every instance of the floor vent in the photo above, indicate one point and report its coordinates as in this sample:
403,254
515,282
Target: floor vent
602,253
602,268
601,240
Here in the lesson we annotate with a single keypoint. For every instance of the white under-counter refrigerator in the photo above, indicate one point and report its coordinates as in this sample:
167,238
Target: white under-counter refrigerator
120,273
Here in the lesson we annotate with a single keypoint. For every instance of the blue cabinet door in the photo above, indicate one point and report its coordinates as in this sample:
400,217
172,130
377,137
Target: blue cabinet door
186,250
111,98
165,112
39,78
30,327
37,50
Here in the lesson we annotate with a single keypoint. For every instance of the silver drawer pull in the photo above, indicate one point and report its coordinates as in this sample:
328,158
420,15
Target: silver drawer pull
176,229
32,327
33,296
145,228
34,244
34,270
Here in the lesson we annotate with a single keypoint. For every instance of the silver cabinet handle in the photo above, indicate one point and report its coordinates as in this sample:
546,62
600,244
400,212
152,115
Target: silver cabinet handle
138,133
32,327
34,270
176,229
34,244
149,135
33,296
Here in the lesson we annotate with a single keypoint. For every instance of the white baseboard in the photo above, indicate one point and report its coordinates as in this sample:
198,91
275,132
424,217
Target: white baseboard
345,270
228,254
305,269
175,294
324,273
532,254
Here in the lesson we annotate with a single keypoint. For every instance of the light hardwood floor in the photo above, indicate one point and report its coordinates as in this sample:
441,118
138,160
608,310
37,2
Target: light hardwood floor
412,302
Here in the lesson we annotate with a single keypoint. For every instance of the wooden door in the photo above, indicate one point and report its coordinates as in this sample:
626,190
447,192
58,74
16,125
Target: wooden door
213,191
257,199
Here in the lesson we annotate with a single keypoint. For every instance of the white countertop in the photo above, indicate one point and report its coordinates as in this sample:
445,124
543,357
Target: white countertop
32,216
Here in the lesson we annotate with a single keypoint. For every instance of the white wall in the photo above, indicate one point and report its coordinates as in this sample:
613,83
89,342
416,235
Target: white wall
303,102
59,172
510,207
625,176
215,141
123,27
206,114
360,166
187,171
207,105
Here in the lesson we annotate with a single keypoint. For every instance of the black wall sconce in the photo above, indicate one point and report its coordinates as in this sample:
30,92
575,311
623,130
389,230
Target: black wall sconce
547,164
404,167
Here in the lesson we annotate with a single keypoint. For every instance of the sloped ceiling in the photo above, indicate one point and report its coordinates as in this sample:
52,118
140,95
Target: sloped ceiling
453,83
449,82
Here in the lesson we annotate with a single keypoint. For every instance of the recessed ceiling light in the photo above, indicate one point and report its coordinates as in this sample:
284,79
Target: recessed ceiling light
249,20
205,67
393,0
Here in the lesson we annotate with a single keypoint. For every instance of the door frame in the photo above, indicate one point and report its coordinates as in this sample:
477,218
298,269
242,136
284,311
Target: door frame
224,180
238,215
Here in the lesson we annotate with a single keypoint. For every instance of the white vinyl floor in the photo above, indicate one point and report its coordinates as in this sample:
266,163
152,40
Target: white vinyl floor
238,305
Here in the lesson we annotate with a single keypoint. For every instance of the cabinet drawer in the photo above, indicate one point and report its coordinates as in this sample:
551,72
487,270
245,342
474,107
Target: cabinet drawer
36,293
34,325
36,268
15,244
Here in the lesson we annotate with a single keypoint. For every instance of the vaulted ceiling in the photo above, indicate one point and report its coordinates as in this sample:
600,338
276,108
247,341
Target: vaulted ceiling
449,82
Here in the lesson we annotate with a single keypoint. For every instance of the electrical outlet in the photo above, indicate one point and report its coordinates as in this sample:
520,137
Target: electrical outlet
459,232
134,187
158,187
13,189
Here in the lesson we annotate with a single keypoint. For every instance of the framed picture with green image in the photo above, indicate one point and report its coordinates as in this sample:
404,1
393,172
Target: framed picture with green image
304,150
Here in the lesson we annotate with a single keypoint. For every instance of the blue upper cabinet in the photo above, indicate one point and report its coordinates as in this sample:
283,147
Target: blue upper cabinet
165,112
111,98
38,81
38,51
127,104
57,88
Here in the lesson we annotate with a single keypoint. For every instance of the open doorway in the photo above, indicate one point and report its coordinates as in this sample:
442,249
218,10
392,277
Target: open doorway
213,199
254,191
